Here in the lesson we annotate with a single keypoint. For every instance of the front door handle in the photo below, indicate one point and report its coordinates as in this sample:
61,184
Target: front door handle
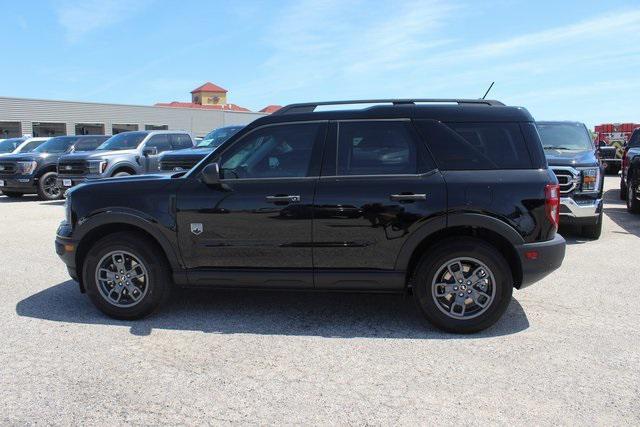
279,199
407,197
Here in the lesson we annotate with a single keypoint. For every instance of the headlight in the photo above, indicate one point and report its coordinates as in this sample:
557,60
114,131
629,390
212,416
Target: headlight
97,166
590,179
26,168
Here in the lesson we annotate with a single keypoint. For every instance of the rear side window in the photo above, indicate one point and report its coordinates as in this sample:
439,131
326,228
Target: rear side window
476,146
379,148
181,140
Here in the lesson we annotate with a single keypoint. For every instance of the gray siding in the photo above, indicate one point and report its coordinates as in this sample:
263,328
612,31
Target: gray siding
198,122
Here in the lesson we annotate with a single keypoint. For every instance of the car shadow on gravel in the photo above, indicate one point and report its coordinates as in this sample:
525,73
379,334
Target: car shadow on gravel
344,315
25,198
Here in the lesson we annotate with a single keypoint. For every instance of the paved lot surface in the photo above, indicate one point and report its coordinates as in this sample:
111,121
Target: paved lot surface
566,351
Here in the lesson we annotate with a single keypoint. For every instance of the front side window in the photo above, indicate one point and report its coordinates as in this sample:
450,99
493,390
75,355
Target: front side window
180,141
160,142
476,146
123,141
278,151
377,148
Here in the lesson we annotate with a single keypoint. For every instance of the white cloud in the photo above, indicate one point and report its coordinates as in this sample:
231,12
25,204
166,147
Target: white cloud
81,17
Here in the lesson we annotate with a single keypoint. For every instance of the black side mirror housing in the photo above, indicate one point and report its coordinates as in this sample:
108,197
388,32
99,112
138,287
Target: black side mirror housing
211,174
149,151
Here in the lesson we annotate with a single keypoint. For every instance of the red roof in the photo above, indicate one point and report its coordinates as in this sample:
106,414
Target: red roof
271,109
225,107
209,87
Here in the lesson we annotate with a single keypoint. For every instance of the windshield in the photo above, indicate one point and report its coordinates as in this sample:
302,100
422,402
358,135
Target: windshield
123,141
218,136
30,146
564,136
56,145
8,145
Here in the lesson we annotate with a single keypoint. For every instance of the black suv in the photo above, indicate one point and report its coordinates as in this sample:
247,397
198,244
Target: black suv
36,172
573,157
451,201
183,160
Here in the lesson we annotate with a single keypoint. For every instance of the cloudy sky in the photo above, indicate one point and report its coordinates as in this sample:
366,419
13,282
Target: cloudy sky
574,60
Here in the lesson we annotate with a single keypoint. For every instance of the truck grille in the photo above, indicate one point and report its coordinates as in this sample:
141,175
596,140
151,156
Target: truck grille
7,168
567,180
178,164
72,168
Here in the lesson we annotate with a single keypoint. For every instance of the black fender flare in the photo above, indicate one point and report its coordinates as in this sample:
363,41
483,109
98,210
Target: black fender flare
462,219
136,219
124,165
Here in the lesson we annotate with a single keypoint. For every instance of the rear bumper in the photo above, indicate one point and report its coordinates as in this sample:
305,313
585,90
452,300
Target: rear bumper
540,259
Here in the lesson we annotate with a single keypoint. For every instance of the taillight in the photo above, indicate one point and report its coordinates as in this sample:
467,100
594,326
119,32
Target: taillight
552,203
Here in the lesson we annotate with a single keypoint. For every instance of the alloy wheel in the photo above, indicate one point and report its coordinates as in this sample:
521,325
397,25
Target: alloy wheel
122,279
50,187
463,288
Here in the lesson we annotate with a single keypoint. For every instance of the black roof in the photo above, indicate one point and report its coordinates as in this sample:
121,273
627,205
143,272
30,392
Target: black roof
453,110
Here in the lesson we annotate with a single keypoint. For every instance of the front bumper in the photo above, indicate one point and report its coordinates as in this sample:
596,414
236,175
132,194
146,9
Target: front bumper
585,211
18,183
540,259
70,181
66,248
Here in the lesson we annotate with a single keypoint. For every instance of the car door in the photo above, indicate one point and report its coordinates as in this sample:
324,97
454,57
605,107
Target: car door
161,143
378,185
255,228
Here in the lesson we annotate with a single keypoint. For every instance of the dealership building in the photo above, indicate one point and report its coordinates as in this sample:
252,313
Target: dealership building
207,110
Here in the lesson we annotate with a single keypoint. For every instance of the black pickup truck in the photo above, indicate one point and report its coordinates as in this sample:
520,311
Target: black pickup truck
449,200
573,157
36,171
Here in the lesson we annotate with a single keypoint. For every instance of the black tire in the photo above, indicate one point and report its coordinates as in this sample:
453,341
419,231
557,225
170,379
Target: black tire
592,231
47,187
12,195
158,285
623,190
633,204
429,266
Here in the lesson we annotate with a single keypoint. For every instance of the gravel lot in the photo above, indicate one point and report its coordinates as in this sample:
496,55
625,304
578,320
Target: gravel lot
566,351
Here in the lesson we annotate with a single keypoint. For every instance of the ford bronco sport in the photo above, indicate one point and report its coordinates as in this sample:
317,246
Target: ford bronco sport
449,200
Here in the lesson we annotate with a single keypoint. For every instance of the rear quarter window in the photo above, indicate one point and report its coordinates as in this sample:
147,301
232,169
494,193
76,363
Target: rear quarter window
476,146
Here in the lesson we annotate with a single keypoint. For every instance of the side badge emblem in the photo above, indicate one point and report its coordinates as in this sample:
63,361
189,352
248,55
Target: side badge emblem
196,228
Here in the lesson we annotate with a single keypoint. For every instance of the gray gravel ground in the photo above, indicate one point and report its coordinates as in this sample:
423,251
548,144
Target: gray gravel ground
566,352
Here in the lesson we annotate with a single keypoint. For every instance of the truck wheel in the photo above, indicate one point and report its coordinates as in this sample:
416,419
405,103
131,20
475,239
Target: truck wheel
12,195
623,190
592,231
633,204
123,173
463,285
48,188
126,276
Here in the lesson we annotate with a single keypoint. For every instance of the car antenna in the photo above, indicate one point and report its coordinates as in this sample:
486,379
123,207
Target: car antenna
487,92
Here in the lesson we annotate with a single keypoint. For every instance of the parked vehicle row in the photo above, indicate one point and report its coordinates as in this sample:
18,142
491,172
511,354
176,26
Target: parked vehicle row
454,204
50,166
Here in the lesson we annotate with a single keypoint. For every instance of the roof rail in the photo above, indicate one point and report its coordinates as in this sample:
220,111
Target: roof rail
309,107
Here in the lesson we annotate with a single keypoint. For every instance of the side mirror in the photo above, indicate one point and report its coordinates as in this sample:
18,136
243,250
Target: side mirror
211,174
149,151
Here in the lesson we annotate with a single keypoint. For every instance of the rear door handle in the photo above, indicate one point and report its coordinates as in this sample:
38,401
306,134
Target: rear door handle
407,197
290,198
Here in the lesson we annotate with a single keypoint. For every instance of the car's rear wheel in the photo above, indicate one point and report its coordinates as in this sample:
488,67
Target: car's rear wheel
48,187
126,276
623,190
463,285
12,195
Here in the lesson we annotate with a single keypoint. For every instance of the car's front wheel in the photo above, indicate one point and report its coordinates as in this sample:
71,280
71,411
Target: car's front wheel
126,276
633,204
48,187
593,231
463,285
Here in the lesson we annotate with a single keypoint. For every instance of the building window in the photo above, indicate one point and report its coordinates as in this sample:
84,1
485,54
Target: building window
49,129
156,127
116,129
89,129
10,130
